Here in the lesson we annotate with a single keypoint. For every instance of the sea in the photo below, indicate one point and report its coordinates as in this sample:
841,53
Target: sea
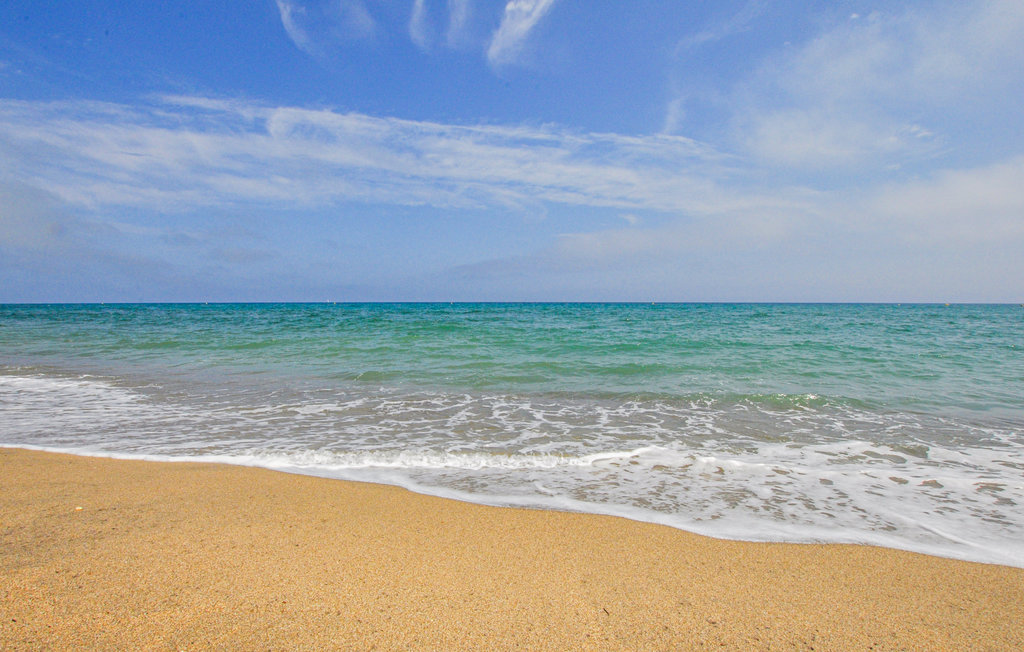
893,425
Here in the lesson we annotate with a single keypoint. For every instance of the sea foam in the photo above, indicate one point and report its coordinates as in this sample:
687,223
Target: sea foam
775,424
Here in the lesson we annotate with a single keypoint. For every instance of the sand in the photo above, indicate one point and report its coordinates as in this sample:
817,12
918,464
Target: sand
117,554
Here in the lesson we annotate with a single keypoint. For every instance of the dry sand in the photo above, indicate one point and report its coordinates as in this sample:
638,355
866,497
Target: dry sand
115,554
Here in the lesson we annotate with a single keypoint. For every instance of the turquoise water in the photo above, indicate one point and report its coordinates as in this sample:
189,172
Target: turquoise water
895,425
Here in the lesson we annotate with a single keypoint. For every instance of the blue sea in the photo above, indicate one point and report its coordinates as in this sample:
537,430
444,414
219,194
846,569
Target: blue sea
894,425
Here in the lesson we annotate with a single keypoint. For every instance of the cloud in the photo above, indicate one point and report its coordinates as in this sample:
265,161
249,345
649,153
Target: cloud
317,27
893,89
419,28
819,137
458,22
885,88
675,114
320,27
954,236
521,17
422,31
47,252
184,152
661,211
31,218
735,24
956,207
293,19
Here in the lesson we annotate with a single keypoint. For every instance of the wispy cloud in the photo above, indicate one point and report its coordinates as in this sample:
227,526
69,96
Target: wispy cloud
955,235
424,21
881,89
317,27
458,22
735,24
521,17
186,152
293,18
419,28
320,27
958,207
30,218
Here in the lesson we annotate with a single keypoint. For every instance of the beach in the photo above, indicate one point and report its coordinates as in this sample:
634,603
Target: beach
535,325
108,553
894,426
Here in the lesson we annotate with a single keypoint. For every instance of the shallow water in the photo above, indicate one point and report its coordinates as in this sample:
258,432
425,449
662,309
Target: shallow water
895,425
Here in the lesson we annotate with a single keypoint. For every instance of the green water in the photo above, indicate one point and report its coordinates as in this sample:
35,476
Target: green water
955,357
900,425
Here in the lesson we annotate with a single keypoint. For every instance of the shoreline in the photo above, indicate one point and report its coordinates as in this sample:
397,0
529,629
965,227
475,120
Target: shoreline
475,499
106,552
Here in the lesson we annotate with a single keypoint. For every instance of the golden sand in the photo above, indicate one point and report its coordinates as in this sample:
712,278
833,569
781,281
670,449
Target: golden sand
116,554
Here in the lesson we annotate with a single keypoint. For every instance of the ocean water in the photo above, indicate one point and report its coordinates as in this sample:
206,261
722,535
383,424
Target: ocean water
894,425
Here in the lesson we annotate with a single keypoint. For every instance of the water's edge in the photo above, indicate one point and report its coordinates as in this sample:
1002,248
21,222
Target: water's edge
900,426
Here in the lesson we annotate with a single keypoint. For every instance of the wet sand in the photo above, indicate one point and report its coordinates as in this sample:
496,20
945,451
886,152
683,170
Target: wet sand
102,553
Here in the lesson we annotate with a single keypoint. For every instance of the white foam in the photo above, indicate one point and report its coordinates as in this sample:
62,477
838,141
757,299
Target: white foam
736,471
407,460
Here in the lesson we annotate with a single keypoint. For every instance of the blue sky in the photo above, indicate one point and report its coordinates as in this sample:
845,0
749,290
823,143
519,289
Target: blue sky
351,150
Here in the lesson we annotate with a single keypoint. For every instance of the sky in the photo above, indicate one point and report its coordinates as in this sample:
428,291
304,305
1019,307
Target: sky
519,150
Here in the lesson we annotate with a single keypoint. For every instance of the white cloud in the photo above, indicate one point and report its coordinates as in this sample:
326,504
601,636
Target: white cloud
960,220
184,153
419,28
521,17
320,27
317,27
821,137
675,113
293,18
458,22
188,152
886,89
688,210
956,207
735,24
30,218
423,32
954,236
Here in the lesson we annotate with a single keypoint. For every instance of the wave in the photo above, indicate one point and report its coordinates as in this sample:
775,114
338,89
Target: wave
748,465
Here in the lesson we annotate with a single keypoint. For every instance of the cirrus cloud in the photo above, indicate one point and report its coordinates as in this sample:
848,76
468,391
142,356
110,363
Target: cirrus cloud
317,26
187,152
521,17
